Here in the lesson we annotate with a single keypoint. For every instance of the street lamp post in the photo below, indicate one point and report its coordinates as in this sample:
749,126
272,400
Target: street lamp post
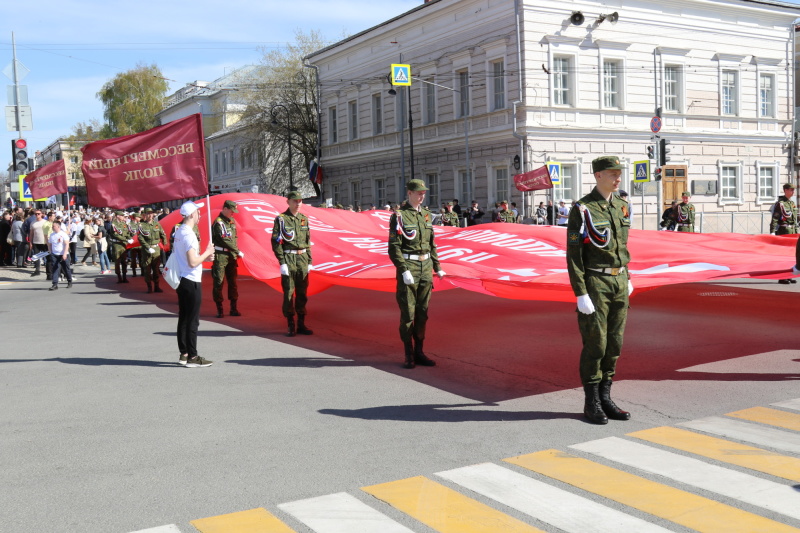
274,122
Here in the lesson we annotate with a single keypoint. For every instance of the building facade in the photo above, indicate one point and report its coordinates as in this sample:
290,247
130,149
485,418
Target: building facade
70,152
525,83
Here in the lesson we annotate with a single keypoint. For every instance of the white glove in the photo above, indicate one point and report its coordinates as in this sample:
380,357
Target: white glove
284,270
441,274
151,250
630,288
408,279
241,253
585,304
130,241
795,271
772,233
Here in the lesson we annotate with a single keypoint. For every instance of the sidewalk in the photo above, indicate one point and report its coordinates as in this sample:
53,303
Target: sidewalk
14,274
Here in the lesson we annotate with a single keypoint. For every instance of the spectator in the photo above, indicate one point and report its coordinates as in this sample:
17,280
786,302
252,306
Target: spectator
58,246
163,214
74,229
89,241
20,242
6,242
624,196
102,246
38,243
456,207
550,213
474,215
563,213
515,210
541,214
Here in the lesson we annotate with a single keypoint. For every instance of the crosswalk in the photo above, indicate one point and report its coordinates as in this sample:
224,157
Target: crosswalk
733,473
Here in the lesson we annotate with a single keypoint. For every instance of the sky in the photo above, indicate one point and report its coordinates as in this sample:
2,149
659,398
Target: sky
73,47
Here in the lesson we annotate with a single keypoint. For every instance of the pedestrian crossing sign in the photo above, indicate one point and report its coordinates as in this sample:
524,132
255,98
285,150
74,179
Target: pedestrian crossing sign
555,172
24,189
641,171
401,74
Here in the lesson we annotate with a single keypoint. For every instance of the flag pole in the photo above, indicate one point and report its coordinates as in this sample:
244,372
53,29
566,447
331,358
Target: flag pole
208,205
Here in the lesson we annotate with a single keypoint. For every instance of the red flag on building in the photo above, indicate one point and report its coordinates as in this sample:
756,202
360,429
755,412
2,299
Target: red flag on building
535,180
164,163
72,200
48,180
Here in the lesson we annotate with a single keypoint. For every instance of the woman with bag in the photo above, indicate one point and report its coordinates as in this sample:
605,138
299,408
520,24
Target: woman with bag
102,246
89,243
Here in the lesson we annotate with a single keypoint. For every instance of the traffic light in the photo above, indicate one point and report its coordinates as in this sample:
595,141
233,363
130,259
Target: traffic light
657,174
651,151
663,151
19,155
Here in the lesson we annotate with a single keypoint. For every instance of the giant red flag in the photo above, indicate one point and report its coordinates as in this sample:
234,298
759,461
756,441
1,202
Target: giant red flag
164,163
514,261
48,180
535,180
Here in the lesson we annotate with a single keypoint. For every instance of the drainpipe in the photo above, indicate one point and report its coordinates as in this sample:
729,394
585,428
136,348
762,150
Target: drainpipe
521,101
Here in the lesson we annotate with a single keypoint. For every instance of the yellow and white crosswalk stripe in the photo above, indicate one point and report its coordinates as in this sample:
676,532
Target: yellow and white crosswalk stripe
763,440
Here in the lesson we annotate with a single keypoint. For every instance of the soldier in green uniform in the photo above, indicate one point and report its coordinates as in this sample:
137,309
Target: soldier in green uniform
412,250
120,237
597,259
684,214
226,255
784,219
291,243
504,215
135,252
449,217
151,235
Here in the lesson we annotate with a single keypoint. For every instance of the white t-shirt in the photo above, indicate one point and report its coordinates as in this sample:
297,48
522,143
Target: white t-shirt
185,239
563,215
58,242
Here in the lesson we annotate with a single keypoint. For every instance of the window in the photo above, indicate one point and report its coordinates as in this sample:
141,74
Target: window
463,94
333,126
73,159
729,186
355,193
498,85
465,181
730,93
216,163
233,161
501,184
766,95
562,81
335,194
224,162
766,183
612,83
377,115
429,113
672,87
353,119
380,193
243,158
432,179
565,189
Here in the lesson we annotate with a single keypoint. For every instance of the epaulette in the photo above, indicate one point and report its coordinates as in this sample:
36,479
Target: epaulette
219,219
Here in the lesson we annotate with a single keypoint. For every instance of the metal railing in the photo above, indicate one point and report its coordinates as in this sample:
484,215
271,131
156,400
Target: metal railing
749,223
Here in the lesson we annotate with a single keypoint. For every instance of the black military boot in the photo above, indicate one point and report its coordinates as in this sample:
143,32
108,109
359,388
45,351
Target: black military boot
220,312
419,356
409,347
157,289
234,310
124,276
591,408
291,332
301,326
149,288
119,278
609,407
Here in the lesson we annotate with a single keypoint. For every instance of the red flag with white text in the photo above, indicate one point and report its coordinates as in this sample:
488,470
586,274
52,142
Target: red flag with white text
165,163
535,180
48,180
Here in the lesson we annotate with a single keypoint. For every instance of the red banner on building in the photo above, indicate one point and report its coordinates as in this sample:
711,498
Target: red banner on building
535,180
48,180
164,163
514,261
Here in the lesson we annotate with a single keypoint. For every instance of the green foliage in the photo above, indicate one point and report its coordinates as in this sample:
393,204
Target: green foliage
131,100
86,131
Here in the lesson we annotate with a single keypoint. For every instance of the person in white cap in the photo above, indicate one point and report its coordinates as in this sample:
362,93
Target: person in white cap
190,295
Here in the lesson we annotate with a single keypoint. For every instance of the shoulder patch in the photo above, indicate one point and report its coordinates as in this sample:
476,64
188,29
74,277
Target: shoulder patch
574,237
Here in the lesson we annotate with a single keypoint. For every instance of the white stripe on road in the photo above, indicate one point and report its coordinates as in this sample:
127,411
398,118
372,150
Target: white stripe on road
762,493
341,513
172,528
789,404
562,509
744,431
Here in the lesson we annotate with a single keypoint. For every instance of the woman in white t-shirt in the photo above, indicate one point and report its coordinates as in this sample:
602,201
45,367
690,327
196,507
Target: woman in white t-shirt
190,295
58,246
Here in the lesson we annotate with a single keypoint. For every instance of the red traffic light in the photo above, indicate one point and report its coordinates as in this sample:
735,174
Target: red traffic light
20,144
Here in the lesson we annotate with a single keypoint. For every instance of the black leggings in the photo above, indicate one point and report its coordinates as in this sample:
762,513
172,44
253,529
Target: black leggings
190,295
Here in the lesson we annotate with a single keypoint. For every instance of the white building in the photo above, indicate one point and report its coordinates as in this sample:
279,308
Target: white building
721,72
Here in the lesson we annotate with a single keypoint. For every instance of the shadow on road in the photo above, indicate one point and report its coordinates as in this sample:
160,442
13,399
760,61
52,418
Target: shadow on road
447,413
95,361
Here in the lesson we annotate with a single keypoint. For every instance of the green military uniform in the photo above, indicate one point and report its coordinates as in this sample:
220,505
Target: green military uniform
597,259
784,216
684,215
226,254
506,215
120,235
134,253
291,244
450,218
412,249
151,235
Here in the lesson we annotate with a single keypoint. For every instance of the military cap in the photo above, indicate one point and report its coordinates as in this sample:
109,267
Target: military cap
339,206
230,204
503,202
118,212
148,211
606,162
686,193
416,185
449,204
294,195
622,193
136,214
787,186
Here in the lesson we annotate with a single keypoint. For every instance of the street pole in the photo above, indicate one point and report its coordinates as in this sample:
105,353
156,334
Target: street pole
410,132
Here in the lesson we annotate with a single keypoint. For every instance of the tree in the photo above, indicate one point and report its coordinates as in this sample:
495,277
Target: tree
86,131
132,99
284,80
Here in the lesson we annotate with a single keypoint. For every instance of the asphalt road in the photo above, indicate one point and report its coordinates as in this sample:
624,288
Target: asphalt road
102,431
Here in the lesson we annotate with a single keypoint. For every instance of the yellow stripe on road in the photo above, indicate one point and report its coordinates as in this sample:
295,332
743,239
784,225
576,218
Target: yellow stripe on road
678,506
771,417
444,509
724,451
252,521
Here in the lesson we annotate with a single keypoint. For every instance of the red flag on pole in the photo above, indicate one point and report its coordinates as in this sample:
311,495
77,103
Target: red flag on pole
535,180
164,163
72,200
48,180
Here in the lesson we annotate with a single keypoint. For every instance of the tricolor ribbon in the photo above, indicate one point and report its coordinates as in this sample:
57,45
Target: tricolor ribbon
283,235
589,231
401,230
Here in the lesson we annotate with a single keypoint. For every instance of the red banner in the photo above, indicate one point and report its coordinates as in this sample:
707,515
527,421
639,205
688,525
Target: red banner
535,180
507,260
48,180
164,163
